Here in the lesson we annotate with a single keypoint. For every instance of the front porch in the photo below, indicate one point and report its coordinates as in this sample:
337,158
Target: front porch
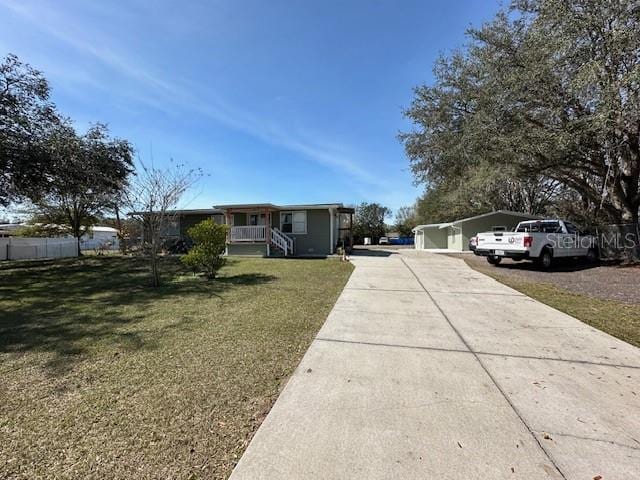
284,230
253,231
264,239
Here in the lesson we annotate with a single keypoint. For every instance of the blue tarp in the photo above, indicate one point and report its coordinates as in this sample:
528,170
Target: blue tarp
401,241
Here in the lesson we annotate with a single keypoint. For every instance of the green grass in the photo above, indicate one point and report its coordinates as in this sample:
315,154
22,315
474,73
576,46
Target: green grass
104,377
621,320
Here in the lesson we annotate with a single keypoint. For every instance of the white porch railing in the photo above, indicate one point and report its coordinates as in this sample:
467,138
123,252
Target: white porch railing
258,233
252,233
283,238
281,241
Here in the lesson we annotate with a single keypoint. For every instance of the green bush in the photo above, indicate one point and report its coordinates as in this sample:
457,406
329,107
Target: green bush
209,240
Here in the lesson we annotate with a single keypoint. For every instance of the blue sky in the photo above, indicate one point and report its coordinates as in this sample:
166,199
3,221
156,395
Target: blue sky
278,101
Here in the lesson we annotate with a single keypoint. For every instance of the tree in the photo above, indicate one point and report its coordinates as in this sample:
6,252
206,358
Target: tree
90,171
152,198
548,90
27,118
210,242
481,190
406,220
369,221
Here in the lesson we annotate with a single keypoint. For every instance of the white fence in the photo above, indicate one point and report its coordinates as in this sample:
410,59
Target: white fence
20,248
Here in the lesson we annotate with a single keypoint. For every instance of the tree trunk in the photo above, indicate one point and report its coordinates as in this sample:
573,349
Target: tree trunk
123,246
155,274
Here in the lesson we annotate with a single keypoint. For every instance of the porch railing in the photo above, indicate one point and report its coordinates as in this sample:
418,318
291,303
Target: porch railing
252,233
281,241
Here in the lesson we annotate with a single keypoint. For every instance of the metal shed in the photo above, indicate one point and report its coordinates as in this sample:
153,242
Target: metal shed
454,236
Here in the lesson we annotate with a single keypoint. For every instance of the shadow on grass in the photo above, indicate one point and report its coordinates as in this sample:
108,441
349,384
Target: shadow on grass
67,306
245,279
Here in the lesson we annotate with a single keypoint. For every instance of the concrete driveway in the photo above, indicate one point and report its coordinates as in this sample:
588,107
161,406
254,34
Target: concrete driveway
428,369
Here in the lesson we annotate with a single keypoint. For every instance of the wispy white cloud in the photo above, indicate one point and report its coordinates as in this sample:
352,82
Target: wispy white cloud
171,95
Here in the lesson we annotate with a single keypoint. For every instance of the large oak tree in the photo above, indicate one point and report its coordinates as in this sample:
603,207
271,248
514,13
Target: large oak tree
547,89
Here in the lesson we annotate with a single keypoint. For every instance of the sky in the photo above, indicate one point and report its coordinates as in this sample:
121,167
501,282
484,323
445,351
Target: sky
287,102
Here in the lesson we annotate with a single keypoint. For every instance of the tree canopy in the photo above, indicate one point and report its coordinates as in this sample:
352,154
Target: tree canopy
27,118
369,221
91,171
541,108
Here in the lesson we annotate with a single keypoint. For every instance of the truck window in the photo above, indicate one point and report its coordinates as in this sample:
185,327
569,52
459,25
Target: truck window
540,227
571,228
551,227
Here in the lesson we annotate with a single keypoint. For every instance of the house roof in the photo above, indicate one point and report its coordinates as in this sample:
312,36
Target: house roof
463,220
99,228
192,211
220,209
309,206
11,226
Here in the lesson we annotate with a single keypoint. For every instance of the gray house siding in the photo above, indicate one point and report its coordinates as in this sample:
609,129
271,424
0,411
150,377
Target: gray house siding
252,249
318,237
188,221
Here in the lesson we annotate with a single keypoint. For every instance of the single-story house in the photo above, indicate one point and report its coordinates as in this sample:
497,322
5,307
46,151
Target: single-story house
100,237
266,229
455,235
9,229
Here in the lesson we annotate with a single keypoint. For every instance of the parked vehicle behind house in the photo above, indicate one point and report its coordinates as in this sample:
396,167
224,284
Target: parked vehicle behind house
541,241
473,243
383,241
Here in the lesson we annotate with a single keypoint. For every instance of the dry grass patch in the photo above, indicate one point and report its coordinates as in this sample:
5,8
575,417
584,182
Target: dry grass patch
103,377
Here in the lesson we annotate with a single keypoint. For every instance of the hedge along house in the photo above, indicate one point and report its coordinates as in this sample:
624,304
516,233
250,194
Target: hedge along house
301,230
455,236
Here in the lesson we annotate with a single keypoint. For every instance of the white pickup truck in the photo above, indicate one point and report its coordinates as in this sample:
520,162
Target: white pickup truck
539,240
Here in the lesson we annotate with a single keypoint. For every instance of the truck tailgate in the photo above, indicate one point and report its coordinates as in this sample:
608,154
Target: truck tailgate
512,241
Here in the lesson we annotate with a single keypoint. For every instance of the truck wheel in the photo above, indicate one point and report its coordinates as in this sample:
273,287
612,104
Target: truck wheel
592,255
546,259
493,260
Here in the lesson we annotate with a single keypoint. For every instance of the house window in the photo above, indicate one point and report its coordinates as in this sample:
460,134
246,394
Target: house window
294,222
256,219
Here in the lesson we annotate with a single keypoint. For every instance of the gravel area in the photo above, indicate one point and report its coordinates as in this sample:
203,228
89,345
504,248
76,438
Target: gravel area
607,282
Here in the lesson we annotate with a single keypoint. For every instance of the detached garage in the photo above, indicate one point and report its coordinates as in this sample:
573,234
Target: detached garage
455,235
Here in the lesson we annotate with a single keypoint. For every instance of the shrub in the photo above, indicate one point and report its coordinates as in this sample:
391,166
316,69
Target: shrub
209,240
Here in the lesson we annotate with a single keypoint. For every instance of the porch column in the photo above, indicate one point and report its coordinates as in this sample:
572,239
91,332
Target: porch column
227,221
267,226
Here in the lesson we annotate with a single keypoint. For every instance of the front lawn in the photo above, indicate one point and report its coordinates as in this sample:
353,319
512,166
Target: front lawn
103,377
